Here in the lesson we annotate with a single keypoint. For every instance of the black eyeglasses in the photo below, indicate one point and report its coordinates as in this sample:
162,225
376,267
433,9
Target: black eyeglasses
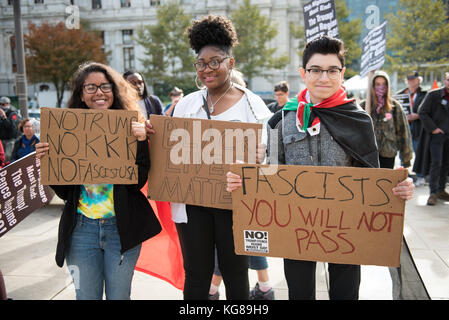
213,64
92,88
332,73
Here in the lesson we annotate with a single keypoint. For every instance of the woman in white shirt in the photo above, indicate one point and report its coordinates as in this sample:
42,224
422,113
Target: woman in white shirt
201,229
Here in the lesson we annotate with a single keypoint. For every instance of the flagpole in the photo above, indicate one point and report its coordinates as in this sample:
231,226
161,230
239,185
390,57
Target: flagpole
20,54
368,92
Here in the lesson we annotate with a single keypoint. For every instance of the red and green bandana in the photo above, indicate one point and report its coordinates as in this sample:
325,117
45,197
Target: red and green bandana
304,108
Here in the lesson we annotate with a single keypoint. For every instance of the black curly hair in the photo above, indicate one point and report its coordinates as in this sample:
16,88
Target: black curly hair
212,30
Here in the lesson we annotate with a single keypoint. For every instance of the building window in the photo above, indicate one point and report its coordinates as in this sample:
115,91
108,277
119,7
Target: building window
128,58
127,36
39,1
125,3
155,3
96,4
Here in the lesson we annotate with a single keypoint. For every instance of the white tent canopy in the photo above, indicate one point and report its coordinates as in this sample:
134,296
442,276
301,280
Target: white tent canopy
356,84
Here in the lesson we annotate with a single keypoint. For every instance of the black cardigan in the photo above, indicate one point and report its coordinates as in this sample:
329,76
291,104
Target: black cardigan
136,221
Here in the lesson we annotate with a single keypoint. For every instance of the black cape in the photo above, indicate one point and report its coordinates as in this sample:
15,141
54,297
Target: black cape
350,126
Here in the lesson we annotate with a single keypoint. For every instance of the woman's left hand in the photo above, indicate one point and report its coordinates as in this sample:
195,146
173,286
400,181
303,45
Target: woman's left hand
138,130
405,189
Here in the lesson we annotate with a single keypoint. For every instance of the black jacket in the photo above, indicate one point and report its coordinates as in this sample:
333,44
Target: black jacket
136,221
434,113
8,126
415,125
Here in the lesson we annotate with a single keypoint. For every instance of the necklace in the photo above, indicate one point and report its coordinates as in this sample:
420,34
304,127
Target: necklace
212,105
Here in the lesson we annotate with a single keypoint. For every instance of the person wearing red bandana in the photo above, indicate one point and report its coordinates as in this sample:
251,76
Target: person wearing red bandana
322,127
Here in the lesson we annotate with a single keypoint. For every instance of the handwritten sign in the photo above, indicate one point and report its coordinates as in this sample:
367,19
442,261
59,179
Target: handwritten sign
190,157
373,49
88,146
329,214
20,192
320,19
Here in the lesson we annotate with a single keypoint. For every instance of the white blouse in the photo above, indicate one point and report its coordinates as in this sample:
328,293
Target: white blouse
250,108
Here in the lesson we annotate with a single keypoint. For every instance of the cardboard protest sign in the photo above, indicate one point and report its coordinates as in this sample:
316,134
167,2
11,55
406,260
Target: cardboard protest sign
88,146
20,192
404,100
190,157
330,214
320,19
373,50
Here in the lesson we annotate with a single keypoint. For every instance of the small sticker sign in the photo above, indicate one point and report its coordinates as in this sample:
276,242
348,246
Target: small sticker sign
256,241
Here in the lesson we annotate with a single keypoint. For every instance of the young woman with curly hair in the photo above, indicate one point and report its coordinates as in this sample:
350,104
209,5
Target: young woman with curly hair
201,229
103,225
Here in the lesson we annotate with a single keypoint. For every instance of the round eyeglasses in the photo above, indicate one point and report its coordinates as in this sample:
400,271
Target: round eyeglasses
213,64
92,88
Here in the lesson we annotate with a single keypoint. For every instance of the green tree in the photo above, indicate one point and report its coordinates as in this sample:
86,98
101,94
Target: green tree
418,36
253,54
53,54
349,32
169,60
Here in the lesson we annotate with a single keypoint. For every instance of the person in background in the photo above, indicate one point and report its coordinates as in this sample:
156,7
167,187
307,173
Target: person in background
392,135
417,95
27,142
390,124
281,92
149,104
103,226
9,121
322,115
432,156
175,95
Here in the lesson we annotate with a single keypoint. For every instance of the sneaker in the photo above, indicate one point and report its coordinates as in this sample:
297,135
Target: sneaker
443,195
420,181
257,294
432,199
215,296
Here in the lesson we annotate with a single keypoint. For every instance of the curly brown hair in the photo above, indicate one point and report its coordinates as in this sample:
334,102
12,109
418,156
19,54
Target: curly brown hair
212,30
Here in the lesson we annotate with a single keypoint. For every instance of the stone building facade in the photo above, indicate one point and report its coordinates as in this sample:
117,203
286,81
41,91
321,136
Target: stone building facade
119,20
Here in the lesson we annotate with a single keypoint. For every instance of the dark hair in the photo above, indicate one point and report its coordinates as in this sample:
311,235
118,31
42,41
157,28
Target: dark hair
212,30
125,96
130,72
281,86
324,45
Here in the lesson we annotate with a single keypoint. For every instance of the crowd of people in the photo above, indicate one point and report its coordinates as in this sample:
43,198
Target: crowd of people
103,225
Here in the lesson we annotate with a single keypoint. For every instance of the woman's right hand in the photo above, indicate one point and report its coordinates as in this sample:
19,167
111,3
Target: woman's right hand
41,149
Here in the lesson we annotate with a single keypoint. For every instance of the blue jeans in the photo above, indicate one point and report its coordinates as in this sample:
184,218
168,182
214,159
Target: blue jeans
95,263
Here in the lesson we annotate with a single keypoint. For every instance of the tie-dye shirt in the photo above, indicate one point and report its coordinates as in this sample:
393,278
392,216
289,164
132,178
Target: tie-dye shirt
96,201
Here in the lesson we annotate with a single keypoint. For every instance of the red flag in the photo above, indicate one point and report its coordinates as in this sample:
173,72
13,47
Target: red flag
161,255
435,85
